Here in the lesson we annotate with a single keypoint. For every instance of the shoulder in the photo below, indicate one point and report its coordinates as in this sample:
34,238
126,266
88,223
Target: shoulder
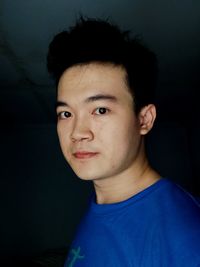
180,220
175,198
178,206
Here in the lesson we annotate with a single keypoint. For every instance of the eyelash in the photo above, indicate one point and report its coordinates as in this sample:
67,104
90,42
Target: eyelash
106,110
63,114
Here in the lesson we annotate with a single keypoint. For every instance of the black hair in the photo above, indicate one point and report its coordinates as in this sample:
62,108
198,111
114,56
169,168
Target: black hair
95,40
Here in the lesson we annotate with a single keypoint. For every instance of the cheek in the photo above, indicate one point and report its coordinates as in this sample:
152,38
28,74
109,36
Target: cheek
116,134
126,139
132,140
106,135
60,133
63,137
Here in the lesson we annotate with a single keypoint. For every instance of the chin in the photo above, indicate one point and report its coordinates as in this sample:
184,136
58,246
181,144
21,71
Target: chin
86,171
87,175
84,175
85,178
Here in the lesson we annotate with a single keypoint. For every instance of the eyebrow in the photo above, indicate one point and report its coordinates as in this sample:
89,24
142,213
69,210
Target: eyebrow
93,98
61,104
101,97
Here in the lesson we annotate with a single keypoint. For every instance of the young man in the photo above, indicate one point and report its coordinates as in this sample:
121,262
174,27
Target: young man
105,83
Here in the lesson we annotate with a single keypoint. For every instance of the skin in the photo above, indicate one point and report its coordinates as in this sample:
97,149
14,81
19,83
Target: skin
100,135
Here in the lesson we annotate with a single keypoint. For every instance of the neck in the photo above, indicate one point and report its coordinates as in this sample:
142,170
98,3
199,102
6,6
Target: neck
126,184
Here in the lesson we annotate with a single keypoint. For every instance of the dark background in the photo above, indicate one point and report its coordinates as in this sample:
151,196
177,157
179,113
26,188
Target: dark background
41,199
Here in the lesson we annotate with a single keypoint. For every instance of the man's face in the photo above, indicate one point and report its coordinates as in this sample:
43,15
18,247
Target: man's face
98,130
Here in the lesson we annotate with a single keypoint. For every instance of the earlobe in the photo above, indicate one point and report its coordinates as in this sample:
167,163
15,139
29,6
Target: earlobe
147,117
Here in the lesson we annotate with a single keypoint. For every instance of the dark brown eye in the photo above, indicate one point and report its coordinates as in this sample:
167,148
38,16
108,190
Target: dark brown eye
101,111
64,115
67,114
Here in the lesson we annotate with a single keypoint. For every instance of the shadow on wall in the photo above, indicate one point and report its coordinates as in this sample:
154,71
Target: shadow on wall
42,200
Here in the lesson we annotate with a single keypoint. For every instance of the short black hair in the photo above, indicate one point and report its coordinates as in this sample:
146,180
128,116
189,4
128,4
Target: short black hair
96,40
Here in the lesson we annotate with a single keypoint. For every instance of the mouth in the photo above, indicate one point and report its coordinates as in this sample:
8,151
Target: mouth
85,154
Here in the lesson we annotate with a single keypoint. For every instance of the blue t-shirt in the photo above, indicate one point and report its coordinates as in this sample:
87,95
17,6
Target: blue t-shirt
158,227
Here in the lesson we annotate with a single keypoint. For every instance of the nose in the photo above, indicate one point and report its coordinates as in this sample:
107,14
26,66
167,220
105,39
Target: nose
81,131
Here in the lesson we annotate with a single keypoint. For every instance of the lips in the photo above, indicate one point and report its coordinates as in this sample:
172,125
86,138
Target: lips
85,154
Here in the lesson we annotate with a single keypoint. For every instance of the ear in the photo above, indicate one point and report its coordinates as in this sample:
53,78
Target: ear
147,117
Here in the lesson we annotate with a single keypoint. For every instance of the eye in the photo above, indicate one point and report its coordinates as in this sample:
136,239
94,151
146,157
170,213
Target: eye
64,115
101,111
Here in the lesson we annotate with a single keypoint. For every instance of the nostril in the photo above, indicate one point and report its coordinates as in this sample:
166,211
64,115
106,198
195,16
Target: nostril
82,135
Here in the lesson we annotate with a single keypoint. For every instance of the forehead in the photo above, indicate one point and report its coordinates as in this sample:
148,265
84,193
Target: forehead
94,78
